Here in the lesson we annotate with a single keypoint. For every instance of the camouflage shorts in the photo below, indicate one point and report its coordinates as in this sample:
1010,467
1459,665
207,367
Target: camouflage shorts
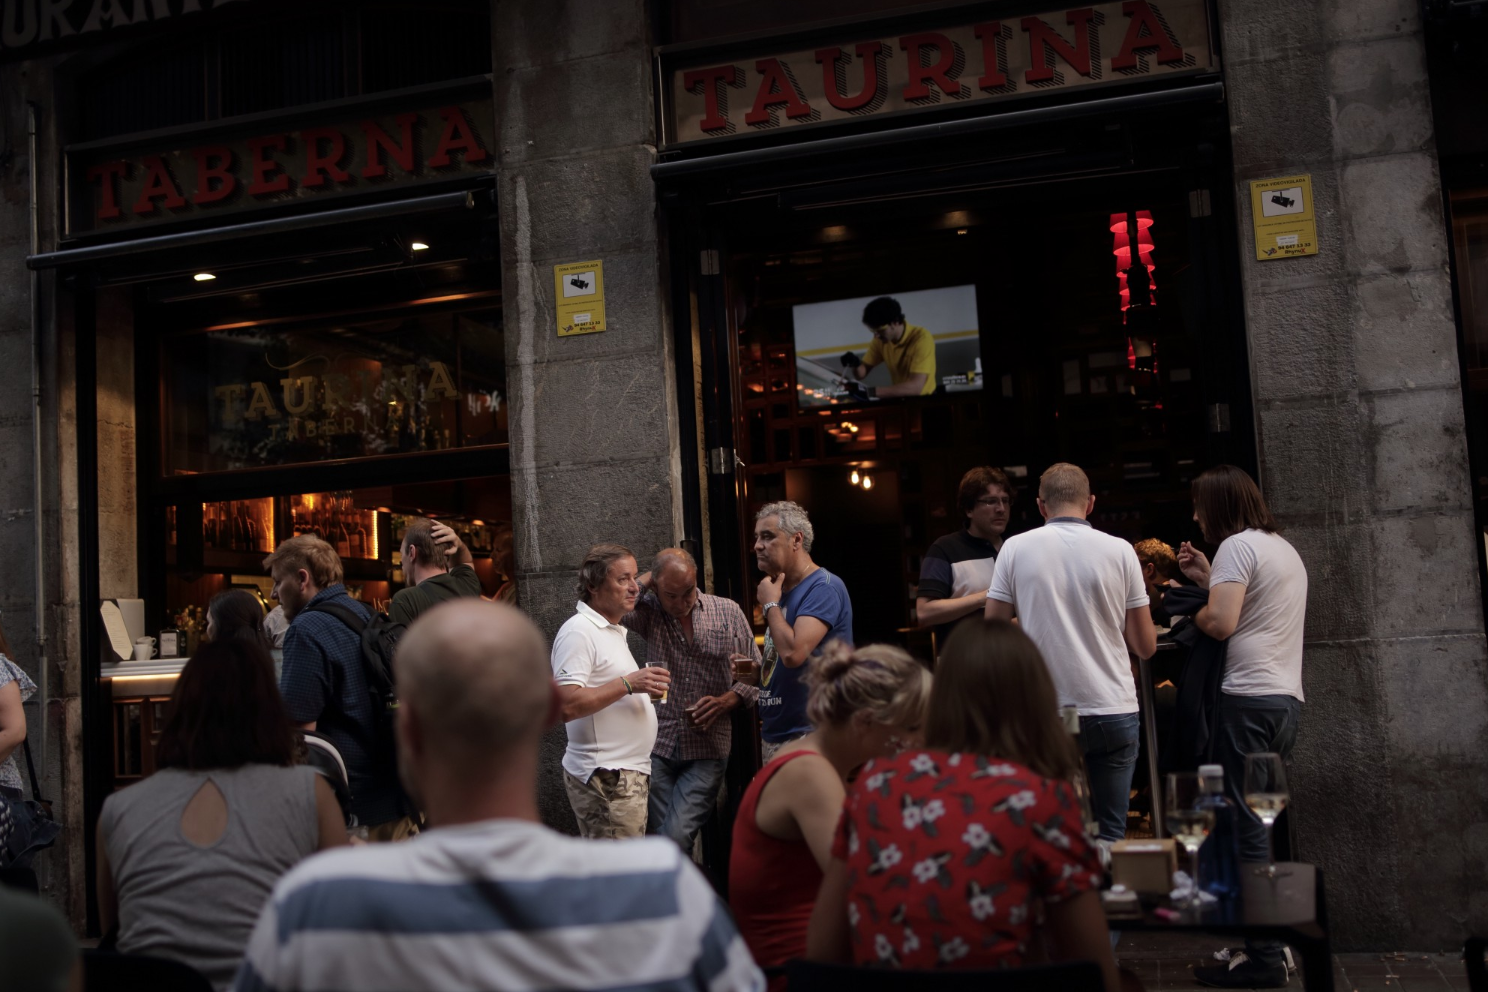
611,804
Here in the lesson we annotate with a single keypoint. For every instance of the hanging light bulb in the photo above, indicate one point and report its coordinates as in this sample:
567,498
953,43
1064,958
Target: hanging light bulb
855,477
867,482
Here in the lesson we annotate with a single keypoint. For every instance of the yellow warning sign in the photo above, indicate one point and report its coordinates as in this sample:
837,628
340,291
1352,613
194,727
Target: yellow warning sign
1285,225
579,294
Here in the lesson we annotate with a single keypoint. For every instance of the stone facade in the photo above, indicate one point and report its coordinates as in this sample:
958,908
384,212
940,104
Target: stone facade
1355,375
1360,422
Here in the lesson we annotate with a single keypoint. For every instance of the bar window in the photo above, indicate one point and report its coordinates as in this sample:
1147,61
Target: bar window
253,397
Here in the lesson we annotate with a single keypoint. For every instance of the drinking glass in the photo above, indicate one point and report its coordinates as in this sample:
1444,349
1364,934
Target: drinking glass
1188,824
743,668
1266,795
657,664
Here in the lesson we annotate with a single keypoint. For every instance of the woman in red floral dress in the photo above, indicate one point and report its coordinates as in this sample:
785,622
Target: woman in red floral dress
945,855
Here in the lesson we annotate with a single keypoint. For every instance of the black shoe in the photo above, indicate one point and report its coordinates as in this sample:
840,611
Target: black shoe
1242,973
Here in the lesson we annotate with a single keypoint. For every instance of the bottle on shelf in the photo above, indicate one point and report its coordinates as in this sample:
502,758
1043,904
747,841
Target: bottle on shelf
239,532
358,537
343,536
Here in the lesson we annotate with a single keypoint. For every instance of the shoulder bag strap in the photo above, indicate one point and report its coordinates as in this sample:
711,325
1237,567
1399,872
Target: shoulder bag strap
341,612
31,771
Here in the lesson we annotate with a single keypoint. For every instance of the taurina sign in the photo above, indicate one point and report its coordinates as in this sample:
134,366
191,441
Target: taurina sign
324,160
993,59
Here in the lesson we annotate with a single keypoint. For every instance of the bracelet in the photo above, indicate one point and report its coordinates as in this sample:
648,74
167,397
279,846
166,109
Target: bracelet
628,690
768,607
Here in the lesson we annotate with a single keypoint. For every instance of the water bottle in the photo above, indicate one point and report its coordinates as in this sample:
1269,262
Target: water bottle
1219,857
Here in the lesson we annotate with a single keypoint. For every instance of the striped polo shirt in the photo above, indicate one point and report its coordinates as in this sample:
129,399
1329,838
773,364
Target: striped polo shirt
501,904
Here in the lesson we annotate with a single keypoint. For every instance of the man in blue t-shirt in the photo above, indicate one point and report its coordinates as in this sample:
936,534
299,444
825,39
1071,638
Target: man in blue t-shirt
804,606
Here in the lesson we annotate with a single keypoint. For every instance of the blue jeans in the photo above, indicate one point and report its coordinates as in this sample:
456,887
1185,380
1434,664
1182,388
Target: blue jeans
1251,725
1110,744
682,795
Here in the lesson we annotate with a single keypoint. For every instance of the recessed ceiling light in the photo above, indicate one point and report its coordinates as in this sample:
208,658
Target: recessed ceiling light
204,277
419,246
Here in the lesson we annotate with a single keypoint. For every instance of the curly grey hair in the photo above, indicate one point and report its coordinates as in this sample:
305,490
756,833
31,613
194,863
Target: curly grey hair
793,520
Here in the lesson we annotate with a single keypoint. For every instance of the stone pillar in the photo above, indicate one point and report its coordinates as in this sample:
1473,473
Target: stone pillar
1360,421
42,631
593,429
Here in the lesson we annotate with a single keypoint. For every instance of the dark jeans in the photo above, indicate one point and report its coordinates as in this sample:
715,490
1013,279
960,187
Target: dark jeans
1253,725
1110,744
683,794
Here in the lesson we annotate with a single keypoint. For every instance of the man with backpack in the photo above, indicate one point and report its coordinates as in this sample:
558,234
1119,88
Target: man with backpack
437,566
331,686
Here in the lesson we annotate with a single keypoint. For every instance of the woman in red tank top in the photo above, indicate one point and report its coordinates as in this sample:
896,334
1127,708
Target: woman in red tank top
860,703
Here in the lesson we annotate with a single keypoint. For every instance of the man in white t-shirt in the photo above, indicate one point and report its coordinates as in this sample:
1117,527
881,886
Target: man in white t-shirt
487,897
1080,597
606,700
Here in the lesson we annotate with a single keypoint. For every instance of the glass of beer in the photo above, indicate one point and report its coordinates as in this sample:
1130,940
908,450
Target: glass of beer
743,666
657,664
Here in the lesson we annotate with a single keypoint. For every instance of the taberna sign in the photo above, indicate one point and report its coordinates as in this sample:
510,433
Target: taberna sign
36,27
211,175
991,59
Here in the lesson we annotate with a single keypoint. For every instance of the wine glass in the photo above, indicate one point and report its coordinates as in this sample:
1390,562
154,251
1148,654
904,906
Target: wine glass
1188,824
1266,795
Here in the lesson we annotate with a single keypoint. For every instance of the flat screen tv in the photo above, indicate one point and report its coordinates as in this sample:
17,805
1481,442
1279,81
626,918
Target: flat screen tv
826,331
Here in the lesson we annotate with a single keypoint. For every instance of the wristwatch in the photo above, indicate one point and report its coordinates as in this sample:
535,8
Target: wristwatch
764,610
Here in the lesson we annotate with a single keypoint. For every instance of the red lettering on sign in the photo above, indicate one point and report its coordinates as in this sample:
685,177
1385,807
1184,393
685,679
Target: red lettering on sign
715,117
776,89
992,75
318,164
1043,39
379,142
207,172
457,136
159,185
107,175
264,166
1144,33
868,51
920,75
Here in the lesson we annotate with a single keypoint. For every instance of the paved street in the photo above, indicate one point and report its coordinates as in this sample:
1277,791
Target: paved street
1165,963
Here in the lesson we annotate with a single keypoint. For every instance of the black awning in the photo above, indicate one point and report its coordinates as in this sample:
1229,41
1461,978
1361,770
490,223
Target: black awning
461,200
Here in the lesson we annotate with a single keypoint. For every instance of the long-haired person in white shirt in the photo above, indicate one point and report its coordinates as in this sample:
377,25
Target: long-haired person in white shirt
1257,602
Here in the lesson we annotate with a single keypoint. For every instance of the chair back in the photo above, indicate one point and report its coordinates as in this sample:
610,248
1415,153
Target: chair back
1070,976
110,971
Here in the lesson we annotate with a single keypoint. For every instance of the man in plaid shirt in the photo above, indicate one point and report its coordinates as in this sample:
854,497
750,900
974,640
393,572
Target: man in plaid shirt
692,634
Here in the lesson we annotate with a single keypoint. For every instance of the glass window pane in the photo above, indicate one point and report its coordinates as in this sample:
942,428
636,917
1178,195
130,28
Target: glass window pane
239,398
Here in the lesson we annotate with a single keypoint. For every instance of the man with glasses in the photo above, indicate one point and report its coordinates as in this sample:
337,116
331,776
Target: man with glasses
908,350
956,571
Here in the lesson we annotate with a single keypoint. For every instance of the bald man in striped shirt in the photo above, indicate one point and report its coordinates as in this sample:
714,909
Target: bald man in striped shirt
488,897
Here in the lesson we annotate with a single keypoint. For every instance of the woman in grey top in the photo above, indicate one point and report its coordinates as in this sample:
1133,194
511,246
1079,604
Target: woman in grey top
187,857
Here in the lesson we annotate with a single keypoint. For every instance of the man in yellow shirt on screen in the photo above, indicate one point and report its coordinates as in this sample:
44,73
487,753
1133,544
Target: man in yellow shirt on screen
908,350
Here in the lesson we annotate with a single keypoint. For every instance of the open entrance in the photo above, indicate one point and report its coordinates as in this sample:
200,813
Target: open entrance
1015,258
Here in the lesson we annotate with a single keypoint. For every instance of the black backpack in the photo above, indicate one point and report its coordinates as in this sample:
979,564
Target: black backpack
380,637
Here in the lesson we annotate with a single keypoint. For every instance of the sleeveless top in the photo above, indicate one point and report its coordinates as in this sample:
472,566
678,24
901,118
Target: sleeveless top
10,773
198,904
772,882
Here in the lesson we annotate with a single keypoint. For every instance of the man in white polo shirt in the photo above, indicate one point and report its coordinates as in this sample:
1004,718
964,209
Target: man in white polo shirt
1080,597
606,700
